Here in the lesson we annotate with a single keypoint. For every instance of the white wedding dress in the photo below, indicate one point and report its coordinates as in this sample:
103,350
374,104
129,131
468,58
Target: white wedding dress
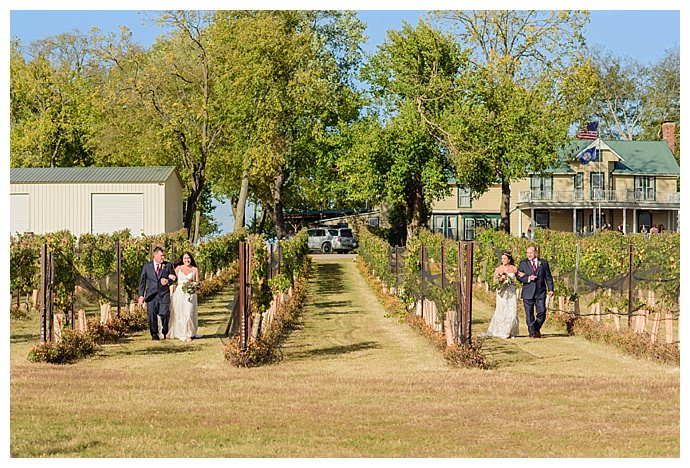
184,316
504,323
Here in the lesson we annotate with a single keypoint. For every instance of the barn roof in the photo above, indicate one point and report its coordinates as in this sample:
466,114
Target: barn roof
76,175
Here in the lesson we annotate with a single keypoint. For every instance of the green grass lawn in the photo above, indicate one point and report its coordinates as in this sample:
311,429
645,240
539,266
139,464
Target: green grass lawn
352,383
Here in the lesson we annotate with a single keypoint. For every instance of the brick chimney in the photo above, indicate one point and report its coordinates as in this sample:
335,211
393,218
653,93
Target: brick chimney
668,133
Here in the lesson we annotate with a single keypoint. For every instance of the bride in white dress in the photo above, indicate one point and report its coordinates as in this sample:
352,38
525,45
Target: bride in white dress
184,316
504,323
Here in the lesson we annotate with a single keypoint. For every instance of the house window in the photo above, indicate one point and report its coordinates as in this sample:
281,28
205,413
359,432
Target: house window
446,225
541,219
464,197
542,187
645,188
579,186
473,222
597,185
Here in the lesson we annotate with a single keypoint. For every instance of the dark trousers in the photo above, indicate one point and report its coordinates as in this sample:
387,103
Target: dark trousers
534,324
155,308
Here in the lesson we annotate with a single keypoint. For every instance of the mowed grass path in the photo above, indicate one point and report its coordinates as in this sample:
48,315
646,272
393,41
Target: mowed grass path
352,383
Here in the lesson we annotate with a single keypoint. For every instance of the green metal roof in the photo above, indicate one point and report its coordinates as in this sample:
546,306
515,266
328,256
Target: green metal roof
76,175
644,157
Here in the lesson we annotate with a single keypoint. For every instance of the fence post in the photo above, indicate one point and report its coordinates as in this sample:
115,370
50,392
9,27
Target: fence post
576,304
421,278
119,274
243,298
51,279
396,269
630,275
443,265
44,292
469,261
460,314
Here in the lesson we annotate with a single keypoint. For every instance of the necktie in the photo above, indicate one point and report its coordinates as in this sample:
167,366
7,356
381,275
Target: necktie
158,268
534,265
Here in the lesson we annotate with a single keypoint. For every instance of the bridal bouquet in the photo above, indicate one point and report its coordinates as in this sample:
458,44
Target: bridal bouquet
189,288
503,280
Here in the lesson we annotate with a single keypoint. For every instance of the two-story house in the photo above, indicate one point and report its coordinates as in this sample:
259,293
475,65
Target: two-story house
594,182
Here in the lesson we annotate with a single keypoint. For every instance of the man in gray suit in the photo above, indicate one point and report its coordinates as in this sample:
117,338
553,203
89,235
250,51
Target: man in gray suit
154,288
535,275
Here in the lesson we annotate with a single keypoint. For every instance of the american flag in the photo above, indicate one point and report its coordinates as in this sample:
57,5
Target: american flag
590,134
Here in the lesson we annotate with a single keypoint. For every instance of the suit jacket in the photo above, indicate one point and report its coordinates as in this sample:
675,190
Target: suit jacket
535,289
150,284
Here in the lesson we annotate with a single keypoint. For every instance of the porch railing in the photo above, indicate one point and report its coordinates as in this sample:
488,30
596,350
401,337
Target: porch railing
609,196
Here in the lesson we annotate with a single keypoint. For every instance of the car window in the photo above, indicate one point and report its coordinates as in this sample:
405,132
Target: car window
311,233
346,232
333,232
320,232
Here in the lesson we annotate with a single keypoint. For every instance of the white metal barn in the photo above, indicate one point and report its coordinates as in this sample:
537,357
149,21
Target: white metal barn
147,200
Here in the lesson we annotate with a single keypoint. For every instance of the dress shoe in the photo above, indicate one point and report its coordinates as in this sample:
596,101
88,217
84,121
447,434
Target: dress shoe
155,339
537,334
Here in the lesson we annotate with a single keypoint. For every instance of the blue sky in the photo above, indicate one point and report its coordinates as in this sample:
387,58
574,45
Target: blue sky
642,35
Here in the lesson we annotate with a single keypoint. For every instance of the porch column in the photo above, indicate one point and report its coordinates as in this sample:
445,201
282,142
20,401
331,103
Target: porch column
574,220
634,219
519,222
625,229
531,220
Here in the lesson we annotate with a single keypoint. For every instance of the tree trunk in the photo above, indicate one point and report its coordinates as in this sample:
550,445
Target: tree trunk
189,212
197,222
415,213
262,223
276,210
505,206
242,201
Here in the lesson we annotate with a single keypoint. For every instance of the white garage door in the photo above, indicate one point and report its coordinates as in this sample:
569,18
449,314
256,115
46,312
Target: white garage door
19,213
112,212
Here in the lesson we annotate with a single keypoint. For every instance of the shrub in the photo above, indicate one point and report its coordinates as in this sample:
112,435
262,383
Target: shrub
74,345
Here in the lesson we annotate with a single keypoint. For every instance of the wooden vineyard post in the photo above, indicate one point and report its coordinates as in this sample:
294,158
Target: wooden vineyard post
245,294
668,325
657,324
421,278
43,296
616,318
630,278
466,318
51,278
119,273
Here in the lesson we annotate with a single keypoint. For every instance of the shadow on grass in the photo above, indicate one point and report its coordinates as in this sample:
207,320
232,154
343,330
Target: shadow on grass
25,338
155,350
329,278
332,304
336,350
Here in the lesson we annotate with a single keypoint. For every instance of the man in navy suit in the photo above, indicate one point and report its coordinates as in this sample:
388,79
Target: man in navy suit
154,288
535,275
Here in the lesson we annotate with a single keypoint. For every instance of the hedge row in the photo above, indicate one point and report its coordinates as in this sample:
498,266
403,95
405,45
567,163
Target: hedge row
94,257
294,269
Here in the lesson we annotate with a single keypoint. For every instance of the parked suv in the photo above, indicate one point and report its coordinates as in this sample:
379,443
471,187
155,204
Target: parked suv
344,241
327,239
321,239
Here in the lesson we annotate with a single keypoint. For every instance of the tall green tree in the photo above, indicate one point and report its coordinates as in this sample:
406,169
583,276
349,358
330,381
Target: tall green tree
530,81
395,158
289,76
161,105
50,102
